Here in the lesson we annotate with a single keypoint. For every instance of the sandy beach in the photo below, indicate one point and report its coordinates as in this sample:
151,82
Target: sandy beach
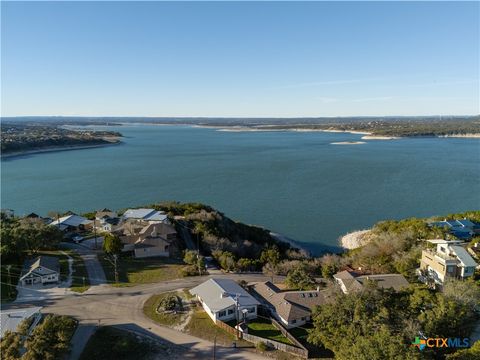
348,143
355,239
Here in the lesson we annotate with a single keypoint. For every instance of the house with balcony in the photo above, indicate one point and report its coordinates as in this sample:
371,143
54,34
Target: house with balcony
448,259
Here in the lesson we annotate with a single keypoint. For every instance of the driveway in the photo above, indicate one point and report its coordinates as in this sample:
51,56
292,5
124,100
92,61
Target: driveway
95,271
34,292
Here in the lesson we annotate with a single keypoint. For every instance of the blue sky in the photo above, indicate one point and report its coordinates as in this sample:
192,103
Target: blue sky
240,59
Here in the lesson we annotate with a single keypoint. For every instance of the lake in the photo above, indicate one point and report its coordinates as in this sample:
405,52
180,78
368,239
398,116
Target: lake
295,183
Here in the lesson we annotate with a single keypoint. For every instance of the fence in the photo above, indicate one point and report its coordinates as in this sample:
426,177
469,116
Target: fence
277,345
227,328
298,349
287,334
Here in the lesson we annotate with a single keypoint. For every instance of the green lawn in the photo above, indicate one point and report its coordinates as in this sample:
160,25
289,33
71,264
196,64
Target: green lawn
142,271
202,326
265,329
170,319
109,343
80,280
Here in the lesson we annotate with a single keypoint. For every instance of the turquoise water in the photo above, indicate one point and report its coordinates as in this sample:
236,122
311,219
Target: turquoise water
297,184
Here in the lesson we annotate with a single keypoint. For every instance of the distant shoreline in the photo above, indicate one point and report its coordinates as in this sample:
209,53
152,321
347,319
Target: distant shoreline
55,149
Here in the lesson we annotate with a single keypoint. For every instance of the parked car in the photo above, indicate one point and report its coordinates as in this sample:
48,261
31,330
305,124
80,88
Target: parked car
77,239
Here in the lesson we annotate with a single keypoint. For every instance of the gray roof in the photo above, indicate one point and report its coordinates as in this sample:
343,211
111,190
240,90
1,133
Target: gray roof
219,294
291,305
354,282
145,214
71,220
463,256
45,262
386,281
10,319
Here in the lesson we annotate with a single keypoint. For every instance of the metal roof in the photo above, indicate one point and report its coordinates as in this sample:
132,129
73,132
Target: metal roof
71,220
463,256
10,319
219,294
145,214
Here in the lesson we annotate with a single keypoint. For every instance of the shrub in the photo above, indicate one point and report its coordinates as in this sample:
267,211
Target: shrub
168,303
261,346
189,270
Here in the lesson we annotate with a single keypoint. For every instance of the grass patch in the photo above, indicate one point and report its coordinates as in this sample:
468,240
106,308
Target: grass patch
109,343
202,326
80,279
265,329
142,271
151,305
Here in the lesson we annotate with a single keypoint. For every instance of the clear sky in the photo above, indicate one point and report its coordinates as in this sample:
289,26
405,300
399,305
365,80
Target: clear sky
239,59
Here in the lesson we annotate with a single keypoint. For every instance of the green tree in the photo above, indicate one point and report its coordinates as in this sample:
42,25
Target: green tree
50,339
190,257
270,255
112,244
472,353
298,278
10,345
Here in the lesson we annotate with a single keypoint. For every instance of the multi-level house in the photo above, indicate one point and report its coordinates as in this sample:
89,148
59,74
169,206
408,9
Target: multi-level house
449,259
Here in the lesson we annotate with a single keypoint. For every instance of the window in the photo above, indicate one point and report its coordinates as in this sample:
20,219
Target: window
315,295
303,318
222,313
442,249
251,310
310,295
294,321
230,311
303,295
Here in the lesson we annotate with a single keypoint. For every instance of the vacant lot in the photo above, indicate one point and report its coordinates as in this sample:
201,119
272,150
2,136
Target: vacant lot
142,271
109,343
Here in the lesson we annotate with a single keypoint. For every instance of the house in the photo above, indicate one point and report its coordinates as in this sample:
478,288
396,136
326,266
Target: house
72,223
463,229
449,259
350,281
42,270
150,215
291,308
224,299
10,319
148,239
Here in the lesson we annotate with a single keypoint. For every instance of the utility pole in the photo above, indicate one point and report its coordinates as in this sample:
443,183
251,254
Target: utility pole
9,280
95,232
214,345
236,313
84,281
115,256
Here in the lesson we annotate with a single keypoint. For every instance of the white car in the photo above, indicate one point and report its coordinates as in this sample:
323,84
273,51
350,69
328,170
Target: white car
77,239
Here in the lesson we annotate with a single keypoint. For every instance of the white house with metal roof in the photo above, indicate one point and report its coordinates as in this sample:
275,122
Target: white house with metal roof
10,319
224,299
150,215
72,223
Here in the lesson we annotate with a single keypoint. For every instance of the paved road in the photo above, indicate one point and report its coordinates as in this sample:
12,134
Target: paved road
95,271
123,307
